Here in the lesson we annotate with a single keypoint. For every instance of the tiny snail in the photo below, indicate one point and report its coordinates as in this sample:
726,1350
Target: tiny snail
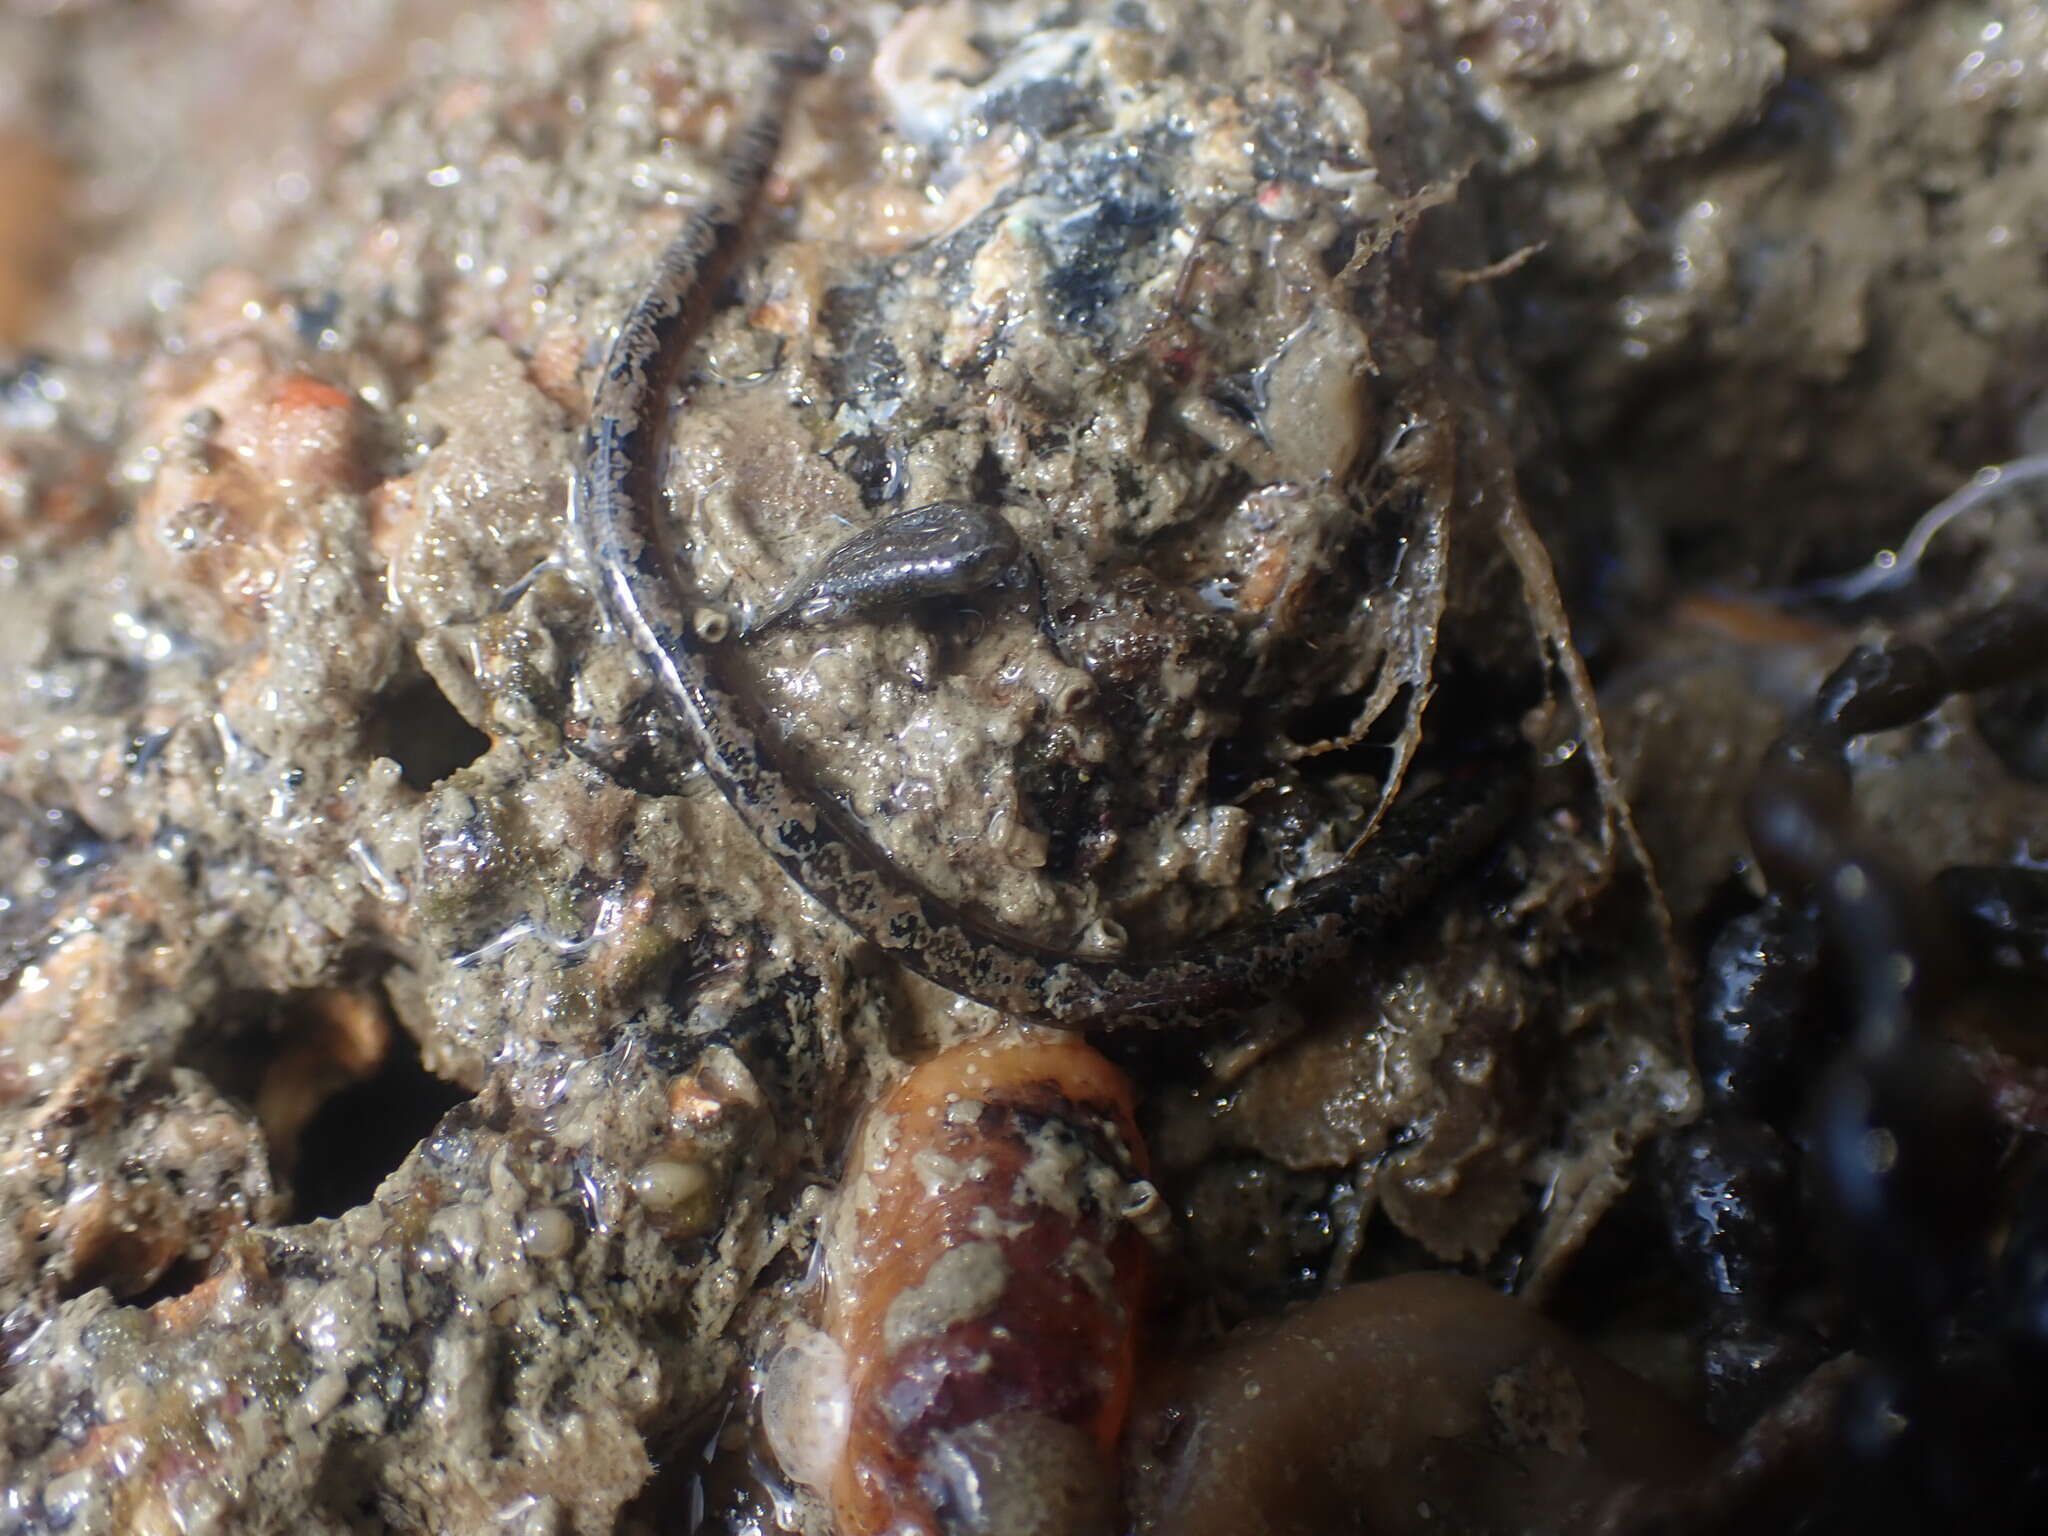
983,1277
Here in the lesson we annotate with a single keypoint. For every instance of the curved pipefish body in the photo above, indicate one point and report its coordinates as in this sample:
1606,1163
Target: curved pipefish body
617,496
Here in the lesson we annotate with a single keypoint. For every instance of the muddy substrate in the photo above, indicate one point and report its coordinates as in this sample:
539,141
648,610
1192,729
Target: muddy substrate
420,1097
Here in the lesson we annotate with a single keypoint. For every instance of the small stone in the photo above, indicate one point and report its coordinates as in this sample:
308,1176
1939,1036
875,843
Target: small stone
678,1191
547,1233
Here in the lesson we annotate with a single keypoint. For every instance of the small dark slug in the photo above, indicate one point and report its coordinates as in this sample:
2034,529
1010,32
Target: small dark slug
615,504
945,549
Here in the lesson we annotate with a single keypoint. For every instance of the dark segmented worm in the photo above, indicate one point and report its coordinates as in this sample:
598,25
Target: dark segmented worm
617,494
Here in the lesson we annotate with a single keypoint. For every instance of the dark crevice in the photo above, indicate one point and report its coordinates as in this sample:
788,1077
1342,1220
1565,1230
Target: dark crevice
1072,805
1332,720
1236,763
361,1134
642,750
413,724
182,1275
2014,723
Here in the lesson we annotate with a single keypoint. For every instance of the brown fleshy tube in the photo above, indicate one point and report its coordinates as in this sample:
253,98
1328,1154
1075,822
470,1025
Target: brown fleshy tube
1427,1403
983,1277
